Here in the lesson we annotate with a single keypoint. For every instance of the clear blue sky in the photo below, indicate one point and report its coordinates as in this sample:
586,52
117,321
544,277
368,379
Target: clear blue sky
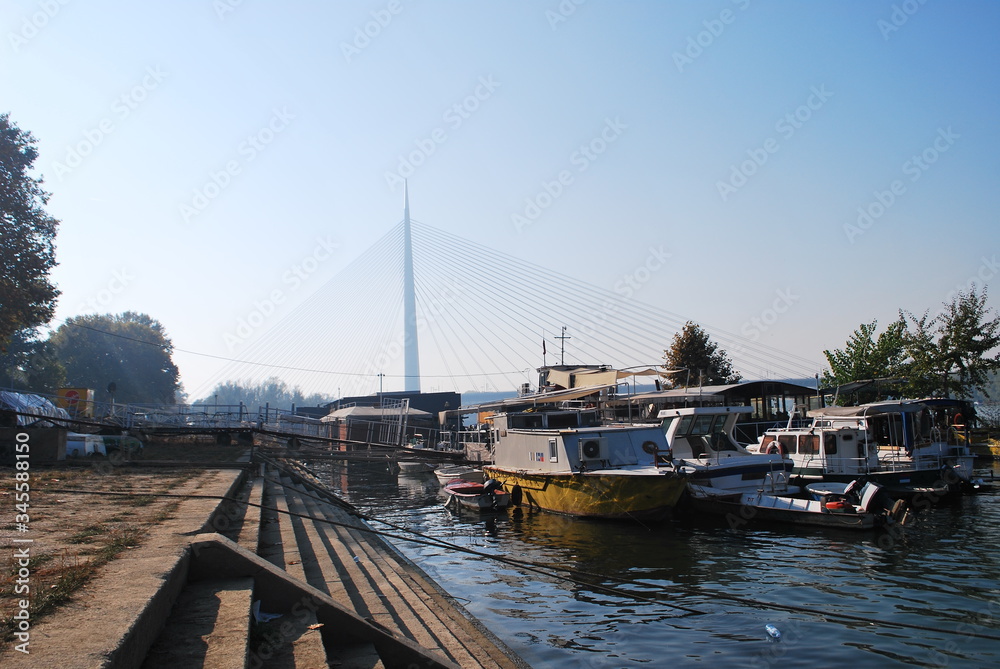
199,151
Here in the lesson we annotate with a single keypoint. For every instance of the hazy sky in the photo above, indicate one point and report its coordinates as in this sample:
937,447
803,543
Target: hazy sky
784,171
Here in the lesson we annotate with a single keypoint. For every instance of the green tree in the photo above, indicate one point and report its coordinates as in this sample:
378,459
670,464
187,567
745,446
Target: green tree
692,350
27,233
866,357
955,352
130,350
30,364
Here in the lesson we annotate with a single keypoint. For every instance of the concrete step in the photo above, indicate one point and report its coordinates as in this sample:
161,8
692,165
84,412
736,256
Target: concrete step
374,577
419,607
249,534
207,627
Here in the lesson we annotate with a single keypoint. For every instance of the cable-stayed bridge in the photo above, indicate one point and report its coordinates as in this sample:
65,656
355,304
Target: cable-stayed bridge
477,319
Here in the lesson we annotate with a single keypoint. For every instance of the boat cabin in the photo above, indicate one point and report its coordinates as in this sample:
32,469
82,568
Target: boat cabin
571,441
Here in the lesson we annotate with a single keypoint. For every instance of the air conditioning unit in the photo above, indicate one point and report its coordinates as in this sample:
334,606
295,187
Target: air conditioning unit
593,448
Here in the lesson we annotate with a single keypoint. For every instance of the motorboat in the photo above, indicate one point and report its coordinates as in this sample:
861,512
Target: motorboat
703,448
565,460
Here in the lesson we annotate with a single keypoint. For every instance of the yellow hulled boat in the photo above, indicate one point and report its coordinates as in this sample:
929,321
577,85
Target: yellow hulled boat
566,461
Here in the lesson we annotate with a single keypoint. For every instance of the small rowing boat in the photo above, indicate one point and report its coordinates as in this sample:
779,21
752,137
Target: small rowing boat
488,496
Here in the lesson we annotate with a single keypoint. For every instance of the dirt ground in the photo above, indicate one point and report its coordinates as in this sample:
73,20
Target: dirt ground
73,535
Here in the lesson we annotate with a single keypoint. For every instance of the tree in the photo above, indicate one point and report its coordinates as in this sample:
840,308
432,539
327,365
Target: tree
865,357
30,364
692,350
27,232
130,350
955,357
271,391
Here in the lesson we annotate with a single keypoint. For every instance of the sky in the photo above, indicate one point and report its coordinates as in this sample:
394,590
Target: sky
783,171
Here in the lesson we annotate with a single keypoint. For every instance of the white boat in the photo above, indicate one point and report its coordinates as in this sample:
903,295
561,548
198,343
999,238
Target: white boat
906,446
703,448
566,461
447,473
852,506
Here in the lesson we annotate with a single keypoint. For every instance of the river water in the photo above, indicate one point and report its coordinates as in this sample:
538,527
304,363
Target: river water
700,593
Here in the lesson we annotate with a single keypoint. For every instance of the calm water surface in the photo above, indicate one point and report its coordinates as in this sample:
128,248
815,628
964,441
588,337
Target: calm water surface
940,575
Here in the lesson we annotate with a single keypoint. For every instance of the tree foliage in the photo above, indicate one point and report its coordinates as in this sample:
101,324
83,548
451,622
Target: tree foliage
866,357
30,364
953,354
692,350
130,350
271,391
27,234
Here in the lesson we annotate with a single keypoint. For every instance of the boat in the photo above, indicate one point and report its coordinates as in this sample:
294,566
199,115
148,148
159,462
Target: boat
854,506
702,446
415,466
447,473
476,495
565,460
904,446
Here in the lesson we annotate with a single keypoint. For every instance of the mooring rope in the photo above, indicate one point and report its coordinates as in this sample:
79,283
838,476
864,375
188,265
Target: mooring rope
549,570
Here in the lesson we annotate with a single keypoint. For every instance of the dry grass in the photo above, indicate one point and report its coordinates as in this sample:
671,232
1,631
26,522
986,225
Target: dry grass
74,535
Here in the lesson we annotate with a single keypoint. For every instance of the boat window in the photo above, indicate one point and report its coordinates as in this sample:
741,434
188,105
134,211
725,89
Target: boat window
524,420
787,441
720,438
562,420
830,444
589,419
808,444
702,424
765,442
553,451
667,422
685,425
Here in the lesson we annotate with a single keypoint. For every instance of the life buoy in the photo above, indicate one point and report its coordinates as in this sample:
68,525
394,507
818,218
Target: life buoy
839,505
776,447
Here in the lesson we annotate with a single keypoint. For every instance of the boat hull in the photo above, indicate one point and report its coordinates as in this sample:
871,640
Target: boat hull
739,512
610,495
475,496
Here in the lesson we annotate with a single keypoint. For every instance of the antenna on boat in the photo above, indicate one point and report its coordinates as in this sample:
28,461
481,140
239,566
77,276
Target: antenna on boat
562,346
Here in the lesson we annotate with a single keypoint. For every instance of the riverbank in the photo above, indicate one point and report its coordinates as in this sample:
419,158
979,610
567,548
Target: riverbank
245,564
